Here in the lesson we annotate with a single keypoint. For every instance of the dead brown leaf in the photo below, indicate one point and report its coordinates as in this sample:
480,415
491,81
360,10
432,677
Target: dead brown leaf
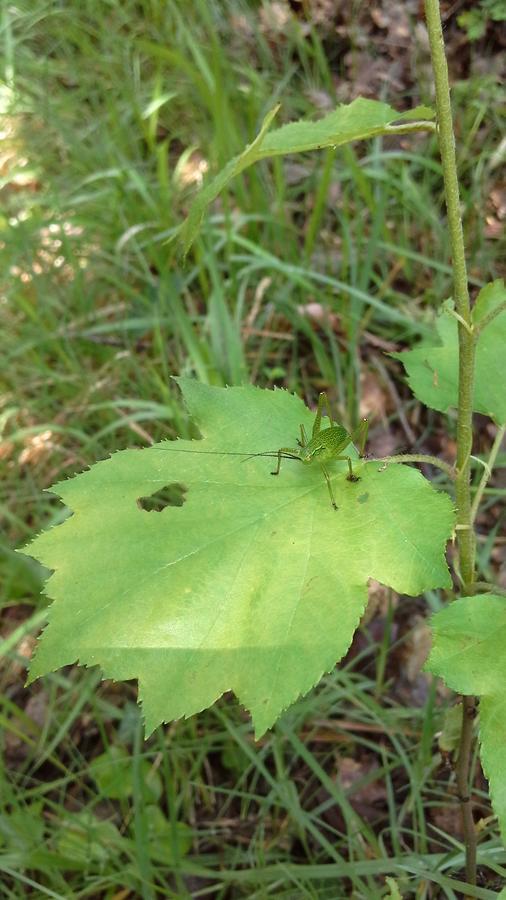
351,771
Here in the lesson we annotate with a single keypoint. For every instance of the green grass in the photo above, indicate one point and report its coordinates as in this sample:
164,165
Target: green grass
104,106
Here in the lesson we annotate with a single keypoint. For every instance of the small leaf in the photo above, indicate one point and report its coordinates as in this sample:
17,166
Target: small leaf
474,22
22,829
112,773
394,892
87,841
449,738
496,9
433,368
469,638
255,584
167,842
358,120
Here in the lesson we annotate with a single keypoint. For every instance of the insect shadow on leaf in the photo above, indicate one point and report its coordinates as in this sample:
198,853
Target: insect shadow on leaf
169,495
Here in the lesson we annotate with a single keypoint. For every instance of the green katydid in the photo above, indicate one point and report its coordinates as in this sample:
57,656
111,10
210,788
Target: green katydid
325,445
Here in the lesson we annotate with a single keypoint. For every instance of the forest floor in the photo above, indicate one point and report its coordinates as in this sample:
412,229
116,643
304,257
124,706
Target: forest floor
113,114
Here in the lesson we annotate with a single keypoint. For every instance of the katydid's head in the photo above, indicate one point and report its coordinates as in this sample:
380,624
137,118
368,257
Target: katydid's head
310,452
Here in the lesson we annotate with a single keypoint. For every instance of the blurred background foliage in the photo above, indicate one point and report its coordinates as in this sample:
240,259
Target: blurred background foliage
305,273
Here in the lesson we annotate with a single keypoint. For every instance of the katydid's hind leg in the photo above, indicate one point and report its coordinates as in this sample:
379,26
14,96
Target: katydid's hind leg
326,402
303,437
327,479
359,436
323,400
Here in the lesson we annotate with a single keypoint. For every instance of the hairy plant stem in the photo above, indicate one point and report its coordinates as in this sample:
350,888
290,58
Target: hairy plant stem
467,344
419,458
462,773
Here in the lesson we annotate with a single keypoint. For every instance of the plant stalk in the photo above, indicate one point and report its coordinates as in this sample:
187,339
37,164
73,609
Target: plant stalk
419,458
462,772
467,344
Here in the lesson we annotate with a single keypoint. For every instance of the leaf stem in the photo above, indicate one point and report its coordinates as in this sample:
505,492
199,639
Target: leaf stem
482,324
487,588
467,345
413,127
496,446
419,458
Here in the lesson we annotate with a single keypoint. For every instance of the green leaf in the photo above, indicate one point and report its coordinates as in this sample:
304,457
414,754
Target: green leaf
432,369
88,841
255,584
167,842
449,739
112,772
469,638
358,120
474,22
394,892
496,9
22,830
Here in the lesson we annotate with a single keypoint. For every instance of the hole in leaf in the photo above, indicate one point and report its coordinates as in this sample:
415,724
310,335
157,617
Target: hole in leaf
169,495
